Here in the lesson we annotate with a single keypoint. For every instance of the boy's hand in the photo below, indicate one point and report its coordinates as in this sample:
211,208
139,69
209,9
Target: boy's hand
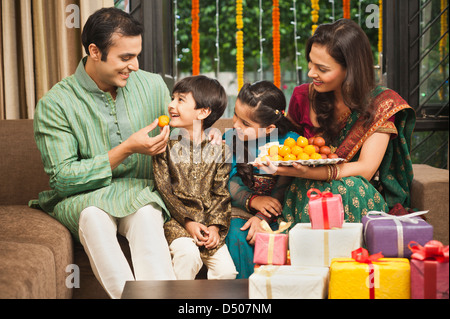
214,237
196,230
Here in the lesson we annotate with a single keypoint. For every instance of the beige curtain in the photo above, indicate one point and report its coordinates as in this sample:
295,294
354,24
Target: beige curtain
39,46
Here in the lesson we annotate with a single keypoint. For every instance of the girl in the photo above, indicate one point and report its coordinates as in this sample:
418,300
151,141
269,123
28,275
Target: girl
259,116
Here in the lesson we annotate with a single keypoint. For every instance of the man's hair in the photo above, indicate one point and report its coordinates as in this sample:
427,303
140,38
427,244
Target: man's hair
207,93
102,24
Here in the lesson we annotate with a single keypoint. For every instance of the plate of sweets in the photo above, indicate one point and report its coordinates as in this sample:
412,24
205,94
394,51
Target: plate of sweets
309,152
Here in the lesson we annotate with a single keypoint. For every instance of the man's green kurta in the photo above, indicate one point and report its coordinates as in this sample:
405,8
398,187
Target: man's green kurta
75,126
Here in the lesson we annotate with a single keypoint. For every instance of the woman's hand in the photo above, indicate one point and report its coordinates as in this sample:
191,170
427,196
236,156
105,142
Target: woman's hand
297,170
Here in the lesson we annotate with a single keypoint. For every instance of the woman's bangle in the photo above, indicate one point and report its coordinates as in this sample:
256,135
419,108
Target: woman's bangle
338,172
329,170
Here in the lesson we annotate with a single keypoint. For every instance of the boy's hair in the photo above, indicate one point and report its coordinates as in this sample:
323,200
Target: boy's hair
102,24
207,93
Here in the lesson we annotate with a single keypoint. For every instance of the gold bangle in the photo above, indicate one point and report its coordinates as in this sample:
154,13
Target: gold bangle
329,174
338,172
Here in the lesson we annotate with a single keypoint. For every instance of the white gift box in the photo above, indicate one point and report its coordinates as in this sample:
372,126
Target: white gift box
288,282
316,247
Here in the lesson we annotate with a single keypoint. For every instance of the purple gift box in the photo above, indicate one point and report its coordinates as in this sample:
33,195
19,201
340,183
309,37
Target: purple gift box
391,234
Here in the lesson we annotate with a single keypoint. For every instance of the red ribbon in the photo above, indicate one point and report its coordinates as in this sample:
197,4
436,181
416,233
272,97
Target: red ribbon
433,250
324,196
361,255
432,253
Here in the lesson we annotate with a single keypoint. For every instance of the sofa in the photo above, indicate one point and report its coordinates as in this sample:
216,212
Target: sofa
40,260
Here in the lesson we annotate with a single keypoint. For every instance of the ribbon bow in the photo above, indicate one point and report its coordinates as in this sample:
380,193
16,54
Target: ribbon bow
361,255
319,194
283,226
408,218
433,250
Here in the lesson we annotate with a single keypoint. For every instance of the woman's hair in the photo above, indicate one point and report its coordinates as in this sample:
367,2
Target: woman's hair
102,24
349,46
207,93
268,105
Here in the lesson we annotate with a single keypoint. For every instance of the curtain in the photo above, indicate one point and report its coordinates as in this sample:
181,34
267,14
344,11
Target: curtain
40,44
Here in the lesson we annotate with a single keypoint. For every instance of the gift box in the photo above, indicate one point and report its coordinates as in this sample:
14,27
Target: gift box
325,209
429,270
369,277
288,282
316,247
271,246
391,234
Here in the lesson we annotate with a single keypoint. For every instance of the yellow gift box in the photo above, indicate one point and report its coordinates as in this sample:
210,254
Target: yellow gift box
379,278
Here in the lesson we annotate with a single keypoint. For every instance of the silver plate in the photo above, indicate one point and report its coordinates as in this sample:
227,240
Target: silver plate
305,162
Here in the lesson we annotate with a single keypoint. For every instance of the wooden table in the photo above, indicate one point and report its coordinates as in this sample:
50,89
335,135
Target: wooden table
186,289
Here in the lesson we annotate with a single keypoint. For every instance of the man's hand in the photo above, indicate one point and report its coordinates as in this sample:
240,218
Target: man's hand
140,143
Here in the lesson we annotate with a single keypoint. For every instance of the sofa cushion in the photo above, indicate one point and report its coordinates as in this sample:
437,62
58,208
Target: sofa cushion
429,191
27,271
21,167
21,224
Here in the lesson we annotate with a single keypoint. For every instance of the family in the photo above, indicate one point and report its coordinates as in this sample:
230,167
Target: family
113,169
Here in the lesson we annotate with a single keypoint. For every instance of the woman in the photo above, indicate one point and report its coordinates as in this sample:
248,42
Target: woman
370,127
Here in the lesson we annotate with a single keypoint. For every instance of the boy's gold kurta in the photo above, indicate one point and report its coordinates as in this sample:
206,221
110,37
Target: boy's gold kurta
193,182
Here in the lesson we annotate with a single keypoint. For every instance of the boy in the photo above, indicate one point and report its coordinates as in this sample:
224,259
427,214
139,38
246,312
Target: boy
192,177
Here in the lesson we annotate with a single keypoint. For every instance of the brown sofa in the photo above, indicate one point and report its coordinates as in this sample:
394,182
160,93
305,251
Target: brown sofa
36,251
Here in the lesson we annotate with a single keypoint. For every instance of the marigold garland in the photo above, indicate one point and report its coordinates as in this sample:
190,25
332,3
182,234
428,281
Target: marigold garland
239,44
346,8
276,43
380,32
314,14
443,41
195,37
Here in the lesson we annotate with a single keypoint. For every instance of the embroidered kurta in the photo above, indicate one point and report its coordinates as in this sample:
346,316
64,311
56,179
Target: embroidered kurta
193,182
75,126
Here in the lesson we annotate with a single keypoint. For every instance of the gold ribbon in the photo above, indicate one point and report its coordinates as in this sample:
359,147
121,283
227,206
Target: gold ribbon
265,226
267,273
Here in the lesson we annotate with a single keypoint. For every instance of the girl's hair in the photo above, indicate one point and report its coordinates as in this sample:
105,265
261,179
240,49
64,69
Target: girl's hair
268,105
349,46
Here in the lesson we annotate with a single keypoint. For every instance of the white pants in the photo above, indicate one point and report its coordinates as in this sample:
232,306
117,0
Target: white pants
187,261
149,249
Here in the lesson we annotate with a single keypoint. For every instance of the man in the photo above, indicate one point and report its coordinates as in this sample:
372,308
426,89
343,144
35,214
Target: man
93,132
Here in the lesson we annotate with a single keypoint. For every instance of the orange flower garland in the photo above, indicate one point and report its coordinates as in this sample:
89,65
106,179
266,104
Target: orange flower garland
314,14
239,44
195,37
276,43
380,32
346,8
443,42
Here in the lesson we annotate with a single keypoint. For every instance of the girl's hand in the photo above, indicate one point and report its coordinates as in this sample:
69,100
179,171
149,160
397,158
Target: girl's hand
214,237
196,230
254,226
267,205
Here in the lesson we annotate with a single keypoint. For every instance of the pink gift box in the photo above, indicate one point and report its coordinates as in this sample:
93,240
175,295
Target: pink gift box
429,270
326,210
270,249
